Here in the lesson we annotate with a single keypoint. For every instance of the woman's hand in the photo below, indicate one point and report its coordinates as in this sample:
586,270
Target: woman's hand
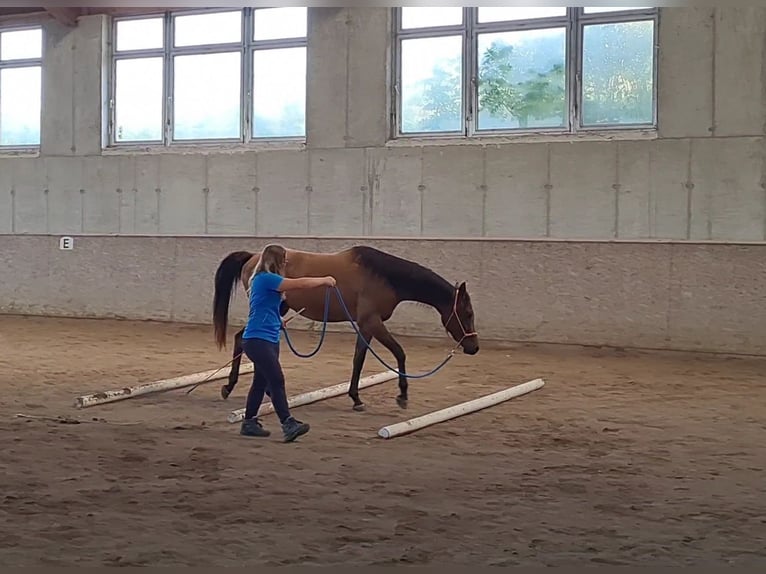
329,281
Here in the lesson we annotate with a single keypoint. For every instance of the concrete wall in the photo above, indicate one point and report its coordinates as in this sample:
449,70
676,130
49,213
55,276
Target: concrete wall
708,297
700,178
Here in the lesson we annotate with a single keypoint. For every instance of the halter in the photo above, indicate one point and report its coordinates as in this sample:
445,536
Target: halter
466,334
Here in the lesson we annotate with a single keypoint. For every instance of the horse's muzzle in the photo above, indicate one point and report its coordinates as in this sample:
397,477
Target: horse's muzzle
471,350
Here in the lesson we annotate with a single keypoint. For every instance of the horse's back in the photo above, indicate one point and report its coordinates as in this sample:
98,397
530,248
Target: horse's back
350,277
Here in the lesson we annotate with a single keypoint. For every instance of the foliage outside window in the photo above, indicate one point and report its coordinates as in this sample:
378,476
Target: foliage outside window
209,76
466,71
21,52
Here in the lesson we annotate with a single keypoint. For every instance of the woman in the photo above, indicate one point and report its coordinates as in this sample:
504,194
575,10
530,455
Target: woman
260,341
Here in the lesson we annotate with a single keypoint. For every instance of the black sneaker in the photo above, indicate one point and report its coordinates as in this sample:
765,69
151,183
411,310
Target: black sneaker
292,429
253,427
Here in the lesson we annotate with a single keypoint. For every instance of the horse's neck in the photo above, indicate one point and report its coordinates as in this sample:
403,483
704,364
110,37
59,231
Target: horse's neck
433,291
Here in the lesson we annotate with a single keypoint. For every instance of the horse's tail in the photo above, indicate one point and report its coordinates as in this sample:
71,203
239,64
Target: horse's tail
226,278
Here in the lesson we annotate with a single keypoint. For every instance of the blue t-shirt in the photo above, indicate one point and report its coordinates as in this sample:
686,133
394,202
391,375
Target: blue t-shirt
264,321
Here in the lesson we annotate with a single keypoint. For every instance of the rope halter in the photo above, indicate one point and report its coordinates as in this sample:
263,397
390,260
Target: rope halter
454,313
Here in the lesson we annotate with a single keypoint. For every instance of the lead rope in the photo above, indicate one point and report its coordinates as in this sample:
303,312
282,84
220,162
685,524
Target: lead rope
359,335
212,375
369,347
321,335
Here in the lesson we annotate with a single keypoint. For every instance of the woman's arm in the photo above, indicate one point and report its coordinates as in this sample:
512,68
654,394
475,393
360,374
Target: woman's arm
289,284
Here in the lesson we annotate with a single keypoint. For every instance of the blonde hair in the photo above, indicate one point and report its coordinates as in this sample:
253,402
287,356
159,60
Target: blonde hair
273,258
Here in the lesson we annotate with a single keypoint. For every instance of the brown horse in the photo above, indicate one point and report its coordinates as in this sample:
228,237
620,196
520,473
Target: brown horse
372,284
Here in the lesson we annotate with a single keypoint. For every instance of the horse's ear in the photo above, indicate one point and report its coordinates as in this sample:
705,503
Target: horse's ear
461,290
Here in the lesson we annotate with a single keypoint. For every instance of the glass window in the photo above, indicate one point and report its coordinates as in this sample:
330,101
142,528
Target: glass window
277,23
203,29
431,17
522,79
432,84
20,106
598,9
206,96
511,14
21,53
279,92
618,73
138,99
192,90
139,34
473,71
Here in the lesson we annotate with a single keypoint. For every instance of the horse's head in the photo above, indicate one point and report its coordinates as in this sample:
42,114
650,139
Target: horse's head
458,320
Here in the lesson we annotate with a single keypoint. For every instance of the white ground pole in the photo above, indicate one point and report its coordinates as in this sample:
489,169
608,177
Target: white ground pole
156,386
318,395
459,410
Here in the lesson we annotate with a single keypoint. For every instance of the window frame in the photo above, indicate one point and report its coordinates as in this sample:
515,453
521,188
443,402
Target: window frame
246,48
574,21
26,63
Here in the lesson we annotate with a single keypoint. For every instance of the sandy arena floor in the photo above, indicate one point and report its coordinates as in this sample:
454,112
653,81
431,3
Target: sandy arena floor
622,458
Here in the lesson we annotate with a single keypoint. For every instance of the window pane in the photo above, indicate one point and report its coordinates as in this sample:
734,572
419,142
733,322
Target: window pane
279,92
506,14
207,96
597,9
138,100
216,28
21,44
522,79
20,103
618,73
432,87
142,34
428,17
276,23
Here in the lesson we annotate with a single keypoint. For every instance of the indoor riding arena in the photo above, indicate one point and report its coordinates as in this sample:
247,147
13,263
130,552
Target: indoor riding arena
547,232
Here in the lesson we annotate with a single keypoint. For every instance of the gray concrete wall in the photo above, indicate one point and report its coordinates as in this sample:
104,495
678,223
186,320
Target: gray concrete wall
708,297
700,179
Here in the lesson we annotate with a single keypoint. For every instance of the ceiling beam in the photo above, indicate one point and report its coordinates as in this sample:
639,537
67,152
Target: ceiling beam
66,15
19,10
127,11
23,19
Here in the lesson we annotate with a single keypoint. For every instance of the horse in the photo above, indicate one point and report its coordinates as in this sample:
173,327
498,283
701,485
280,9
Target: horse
371,282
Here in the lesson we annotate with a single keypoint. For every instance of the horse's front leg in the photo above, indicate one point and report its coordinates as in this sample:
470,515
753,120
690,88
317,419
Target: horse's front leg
360,352
386,339
234,371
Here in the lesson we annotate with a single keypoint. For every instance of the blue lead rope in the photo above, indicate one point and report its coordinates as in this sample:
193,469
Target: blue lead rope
321,336
359,335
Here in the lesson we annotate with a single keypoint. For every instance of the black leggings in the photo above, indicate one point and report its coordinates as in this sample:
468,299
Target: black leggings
268,376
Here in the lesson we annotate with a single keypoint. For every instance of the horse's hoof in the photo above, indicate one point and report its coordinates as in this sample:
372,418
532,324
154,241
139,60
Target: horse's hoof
401,402
359,408
225,392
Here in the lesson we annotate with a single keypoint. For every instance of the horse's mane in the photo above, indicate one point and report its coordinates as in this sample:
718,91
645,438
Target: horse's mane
409,280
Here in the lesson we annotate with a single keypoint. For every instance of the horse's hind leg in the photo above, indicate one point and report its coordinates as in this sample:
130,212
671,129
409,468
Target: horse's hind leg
360,352
234,372
386,339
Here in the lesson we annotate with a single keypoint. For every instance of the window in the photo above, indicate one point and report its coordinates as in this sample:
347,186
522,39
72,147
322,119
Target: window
209,76
464,71
21,53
